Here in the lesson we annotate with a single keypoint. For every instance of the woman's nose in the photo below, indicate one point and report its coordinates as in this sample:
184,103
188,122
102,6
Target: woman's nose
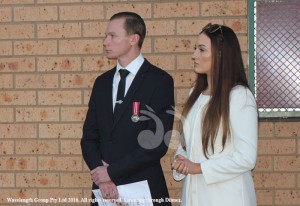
194,54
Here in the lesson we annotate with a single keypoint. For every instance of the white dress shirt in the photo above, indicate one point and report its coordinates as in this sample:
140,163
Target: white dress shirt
133,69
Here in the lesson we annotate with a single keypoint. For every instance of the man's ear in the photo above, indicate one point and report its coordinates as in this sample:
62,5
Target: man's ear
134,39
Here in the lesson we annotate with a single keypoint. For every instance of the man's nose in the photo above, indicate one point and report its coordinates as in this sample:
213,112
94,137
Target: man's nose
105,41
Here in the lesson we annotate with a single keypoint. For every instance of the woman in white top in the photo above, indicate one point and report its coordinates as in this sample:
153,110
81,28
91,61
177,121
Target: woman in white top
219,126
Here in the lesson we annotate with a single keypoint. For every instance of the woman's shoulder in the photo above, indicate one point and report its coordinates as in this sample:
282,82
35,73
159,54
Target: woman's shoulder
242,94
240,90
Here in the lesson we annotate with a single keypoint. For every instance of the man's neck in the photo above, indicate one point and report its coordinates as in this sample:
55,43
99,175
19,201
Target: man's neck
124,61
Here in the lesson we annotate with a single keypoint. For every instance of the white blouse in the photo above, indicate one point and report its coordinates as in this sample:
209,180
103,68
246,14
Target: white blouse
226,179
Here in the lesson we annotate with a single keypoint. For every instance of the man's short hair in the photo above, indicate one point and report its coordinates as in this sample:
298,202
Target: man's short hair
134,24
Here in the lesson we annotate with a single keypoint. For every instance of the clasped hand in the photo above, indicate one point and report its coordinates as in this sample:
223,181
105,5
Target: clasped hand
185,166
101,178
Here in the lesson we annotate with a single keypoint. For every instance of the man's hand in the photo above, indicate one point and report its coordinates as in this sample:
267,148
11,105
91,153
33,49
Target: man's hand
100,175
109,190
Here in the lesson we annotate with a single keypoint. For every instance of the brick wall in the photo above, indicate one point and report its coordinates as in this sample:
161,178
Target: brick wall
50,54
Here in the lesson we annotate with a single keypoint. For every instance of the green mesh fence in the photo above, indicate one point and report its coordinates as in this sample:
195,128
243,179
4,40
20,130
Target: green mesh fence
277,57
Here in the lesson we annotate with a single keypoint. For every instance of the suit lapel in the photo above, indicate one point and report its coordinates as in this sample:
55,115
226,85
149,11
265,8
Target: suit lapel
108,95
132,89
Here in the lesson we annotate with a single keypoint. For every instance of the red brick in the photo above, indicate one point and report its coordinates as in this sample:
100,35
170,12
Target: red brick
39,47
70,147
81,46
274,180
186,9
36,147
182,95
265,129
237,25
154,28
264,163
22,193
97,63
67,97
17,1
94,29
87,96
36,13
32,81
23,31
5,14
6,147
18,98
59,30
56,163
287,197
171,183
144,10
183,79
81,12
278,146
56,64
147,46
56,1
60,193
7,115
17,64
185,62
194,27
76,180
165,62
6,81
60,130
287,129
7,180
16,163
16,131
78,80
264,197
5,47
287,163
243,40
30,114
224,8
163,45
37,180
166,163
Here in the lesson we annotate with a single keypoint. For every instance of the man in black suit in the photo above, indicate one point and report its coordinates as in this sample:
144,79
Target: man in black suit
129,119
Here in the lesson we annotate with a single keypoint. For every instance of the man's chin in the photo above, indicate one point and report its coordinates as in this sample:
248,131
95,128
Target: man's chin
110,57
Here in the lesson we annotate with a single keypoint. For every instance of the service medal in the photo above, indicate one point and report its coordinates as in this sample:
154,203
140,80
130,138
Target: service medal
135,111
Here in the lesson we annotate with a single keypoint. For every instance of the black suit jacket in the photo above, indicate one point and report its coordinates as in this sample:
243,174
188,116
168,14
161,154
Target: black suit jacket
131,150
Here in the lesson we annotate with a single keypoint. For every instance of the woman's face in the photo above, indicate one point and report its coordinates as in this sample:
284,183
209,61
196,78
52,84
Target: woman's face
202,56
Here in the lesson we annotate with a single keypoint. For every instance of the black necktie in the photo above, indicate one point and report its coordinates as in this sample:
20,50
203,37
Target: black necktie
121,88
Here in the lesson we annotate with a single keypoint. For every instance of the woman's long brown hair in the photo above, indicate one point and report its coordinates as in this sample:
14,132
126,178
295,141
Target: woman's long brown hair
227,71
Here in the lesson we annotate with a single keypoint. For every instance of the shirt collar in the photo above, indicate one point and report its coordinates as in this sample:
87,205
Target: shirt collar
134,66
